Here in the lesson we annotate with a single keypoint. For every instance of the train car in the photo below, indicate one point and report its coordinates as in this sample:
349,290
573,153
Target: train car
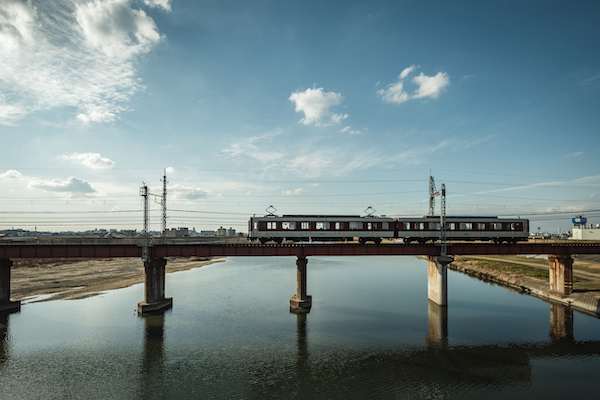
320,228
373,229
497,230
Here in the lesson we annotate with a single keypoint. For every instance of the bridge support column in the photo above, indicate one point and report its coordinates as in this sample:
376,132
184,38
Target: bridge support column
561,323
561,274
154,299
5,303
437,282
438,325
301,302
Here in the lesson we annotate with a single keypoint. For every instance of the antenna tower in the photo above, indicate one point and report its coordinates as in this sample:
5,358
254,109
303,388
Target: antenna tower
442,194
144,194
431,195
164,208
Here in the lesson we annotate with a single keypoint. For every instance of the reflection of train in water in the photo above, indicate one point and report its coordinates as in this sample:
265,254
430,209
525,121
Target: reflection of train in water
374,229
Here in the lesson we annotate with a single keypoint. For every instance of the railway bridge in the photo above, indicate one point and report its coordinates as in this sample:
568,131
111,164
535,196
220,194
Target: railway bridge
155,260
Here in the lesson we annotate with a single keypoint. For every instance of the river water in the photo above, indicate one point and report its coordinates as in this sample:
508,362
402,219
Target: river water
371,334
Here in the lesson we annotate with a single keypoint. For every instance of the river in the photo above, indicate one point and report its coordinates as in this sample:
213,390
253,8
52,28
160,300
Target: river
371,334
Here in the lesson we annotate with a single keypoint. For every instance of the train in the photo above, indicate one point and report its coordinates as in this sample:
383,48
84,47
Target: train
373,229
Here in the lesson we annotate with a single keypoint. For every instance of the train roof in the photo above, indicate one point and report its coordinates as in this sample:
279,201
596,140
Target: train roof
461,216
321,216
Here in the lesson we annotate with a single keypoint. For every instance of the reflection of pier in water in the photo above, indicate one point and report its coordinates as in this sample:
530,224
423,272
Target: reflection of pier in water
3,337
431,366
437,363
152,371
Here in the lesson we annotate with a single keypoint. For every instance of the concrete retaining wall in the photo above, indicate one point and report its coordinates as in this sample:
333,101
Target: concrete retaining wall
581,302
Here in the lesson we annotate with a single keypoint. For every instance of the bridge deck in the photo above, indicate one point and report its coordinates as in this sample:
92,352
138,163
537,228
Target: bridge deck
30,250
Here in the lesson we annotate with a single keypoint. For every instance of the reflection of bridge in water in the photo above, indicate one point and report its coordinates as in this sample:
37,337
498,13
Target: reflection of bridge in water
434,364
561,263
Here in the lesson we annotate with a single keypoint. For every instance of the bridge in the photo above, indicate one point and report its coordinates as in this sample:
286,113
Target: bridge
561,262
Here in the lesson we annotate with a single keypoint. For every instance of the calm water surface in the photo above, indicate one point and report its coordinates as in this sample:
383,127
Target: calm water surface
371,334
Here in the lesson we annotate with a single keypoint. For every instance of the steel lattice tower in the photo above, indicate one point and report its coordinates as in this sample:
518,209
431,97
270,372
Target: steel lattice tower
164,208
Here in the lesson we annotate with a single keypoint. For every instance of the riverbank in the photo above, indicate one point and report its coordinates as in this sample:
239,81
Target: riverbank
55,279
530,276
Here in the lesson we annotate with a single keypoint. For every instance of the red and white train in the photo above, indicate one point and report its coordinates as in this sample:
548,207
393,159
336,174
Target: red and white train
373,229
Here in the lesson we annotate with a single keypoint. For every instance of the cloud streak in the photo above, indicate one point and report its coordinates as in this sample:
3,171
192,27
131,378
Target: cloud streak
73,54
90,160
72,185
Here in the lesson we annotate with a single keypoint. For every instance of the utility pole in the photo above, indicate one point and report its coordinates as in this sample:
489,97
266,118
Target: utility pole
164,209
442,194
431,195
144,194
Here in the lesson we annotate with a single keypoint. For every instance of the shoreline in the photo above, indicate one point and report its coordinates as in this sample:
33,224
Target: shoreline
581,302
71,280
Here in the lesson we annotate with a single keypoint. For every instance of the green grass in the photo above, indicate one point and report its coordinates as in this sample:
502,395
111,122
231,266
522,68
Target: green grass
508,267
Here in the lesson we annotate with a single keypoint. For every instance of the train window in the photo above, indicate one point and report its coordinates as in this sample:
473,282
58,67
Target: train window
322,225
271,225
421,226
256,226
497,226
512,226
451,226
355,225
466,226
288,225
338,225
369,226
481,226
407,226
384,226
434,226
305,225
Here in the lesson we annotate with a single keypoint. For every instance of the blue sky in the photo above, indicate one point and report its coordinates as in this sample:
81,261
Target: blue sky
313,107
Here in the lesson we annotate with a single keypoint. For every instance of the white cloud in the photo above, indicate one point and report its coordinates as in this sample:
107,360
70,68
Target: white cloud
394,93
427,86
579,153
90,160
164,4
71,53
72,185
16,23
11,175
249,148
316,104
349,131
407,71
291,192
180,192
117,29
430,86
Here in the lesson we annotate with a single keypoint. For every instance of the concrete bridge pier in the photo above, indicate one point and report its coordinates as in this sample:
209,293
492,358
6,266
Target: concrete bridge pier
561,323
561,274
437,282
5,303
154,299
301,302
438,325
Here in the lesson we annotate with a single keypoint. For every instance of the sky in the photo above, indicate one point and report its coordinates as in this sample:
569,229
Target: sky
311,107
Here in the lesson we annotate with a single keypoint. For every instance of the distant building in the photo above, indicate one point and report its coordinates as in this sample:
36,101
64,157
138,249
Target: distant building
208,233
582,231
221,232
177,232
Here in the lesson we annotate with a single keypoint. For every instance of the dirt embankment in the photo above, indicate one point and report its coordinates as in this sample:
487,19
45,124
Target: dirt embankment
531,275
81,278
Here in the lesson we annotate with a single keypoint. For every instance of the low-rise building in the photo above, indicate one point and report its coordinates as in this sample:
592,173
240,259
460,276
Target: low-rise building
583,231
